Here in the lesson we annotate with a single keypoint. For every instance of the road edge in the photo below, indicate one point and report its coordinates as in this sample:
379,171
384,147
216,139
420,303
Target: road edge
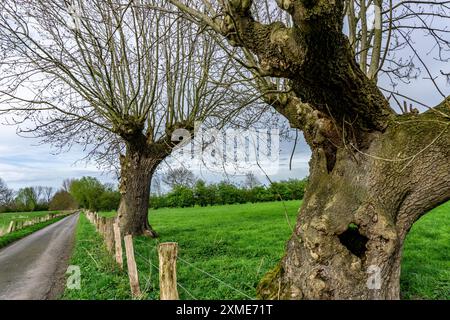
58,285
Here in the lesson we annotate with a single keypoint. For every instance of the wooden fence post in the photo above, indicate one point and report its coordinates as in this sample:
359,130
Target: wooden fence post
11,226
102,226
132,269
168,271
109,235
93,218
118,242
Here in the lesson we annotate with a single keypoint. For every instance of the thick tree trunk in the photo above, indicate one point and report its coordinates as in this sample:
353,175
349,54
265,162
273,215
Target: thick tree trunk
373,173
349,236
142,157
137,168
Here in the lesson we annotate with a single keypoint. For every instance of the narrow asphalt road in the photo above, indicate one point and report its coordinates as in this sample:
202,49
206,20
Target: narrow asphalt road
34,267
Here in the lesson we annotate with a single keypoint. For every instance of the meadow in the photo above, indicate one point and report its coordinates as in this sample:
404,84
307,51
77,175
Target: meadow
9,238
7,217
426,257
225,250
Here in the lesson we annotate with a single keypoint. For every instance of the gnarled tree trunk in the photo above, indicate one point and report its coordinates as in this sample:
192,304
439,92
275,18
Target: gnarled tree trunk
349,236
136,169
373,173
142,157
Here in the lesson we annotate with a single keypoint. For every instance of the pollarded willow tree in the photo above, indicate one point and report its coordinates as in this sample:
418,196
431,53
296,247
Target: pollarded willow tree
373,172
116,76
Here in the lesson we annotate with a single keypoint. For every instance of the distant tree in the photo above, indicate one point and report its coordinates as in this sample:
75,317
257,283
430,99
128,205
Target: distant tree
251,180
280,191
201,193
159,201
66,184
212,194
47,194
179,177
62,200
6,194
87,192
227,193
296,188
39,192
260,194
27,199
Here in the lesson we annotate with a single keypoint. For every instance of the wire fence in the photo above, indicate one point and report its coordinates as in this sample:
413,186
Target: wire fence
156,267
191,265
148,264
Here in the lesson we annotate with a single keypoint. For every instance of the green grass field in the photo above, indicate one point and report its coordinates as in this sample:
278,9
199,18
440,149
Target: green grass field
225,250
426,257
19,234
6,218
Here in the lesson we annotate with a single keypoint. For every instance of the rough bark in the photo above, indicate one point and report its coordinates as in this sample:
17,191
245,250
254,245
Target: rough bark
316,56
136,170
372,173
142,157
135,190
354,218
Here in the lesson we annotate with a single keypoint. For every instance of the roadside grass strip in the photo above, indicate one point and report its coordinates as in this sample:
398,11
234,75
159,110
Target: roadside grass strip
19,234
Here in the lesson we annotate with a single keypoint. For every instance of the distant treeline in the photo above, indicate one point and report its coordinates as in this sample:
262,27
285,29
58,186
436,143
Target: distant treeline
87,192
90,193
203,194
35,198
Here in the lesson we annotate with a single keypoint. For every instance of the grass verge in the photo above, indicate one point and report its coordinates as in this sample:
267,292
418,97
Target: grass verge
6,218
19,234
225,250
100,277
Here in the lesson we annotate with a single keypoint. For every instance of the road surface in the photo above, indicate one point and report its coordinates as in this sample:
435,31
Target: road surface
34,267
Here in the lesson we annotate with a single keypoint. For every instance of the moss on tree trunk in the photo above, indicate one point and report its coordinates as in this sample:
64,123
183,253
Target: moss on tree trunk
349,236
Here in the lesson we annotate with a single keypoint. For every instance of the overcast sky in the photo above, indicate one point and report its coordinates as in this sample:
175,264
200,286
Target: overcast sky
23,162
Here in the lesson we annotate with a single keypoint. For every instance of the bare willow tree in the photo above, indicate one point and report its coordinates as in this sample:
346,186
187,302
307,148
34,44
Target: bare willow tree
179,177
115,76
251,181
373,172
6,194
66,184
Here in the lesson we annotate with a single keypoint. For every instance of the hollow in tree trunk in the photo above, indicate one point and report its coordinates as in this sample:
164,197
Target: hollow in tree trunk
357,211
373,172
